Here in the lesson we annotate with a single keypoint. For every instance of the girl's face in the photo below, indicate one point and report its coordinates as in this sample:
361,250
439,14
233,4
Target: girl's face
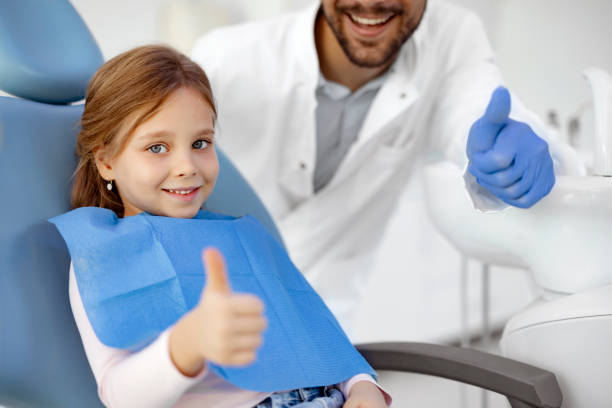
169,164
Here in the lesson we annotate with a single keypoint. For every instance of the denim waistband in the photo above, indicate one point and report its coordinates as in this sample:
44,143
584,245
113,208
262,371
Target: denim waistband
312,397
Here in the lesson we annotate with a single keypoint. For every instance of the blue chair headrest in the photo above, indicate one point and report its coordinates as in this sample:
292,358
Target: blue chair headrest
47,54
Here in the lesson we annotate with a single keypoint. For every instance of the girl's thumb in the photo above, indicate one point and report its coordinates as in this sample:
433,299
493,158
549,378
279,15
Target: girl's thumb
215,271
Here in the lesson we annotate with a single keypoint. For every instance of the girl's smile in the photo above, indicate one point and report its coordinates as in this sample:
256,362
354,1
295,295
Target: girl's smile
186,194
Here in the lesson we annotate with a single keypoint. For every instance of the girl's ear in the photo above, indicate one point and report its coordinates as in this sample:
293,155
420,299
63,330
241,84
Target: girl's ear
103,164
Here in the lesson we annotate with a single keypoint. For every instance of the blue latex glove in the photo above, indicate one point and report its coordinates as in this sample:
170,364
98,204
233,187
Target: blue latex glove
507,157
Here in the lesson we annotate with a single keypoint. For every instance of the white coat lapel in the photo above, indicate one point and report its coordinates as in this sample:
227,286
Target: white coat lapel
298,147
397,94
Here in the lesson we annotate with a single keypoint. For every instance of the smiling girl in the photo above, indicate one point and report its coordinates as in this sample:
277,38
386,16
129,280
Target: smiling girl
158,331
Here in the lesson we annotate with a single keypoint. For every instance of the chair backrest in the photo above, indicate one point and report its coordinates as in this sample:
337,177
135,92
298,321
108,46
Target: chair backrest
47,56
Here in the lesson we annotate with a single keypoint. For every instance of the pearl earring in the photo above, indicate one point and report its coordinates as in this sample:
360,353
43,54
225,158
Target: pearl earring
109,185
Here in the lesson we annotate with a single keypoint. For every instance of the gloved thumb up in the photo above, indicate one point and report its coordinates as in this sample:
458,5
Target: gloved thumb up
216,272
485,130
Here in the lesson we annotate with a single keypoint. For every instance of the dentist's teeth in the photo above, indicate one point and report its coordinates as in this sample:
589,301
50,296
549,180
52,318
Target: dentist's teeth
369,21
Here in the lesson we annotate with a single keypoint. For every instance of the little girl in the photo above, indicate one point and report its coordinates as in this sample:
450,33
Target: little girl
158,331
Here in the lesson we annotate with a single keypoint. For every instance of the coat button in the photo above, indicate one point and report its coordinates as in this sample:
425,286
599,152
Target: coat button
303,166
402,95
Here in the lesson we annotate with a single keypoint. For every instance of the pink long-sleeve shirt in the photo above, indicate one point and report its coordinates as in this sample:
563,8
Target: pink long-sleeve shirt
149,378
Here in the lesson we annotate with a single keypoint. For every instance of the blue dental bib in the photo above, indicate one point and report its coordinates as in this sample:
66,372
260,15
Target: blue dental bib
138,275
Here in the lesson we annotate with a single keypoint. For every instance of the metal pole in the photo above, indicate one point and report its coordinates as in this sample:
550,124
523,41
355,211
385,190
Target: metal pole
464,311
486,324
464,306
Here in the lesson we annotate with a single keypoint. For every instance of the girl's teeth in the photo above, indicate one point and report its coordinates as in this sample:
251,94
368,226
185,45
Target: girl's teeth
369,21
183,192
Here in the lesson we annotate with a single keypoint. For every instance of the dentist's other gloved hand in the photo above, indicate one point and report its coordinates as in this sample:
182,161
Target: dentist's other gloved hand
507,157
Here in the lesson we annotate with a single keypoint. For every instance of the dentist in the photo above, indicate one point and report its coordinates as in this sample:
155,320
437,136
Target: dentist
329,112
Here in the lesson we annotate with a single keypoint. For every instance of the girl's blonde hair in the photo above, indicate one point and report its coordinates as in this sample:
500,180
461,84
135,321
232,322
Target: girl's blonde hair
138,80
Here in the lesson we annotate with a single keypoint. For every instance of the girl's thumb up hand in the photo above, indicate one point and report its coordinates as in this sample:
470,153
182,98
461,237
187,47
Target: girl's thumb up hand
231,324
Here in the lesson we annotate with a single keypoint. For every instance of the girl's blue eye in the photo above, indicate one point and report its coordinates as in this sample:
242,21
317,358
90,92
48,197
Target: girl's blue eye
158,148
200,144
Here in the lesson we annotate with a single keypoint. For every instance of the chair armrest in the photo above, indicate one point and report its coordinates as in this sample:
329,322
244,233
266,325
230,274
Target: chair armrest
522,384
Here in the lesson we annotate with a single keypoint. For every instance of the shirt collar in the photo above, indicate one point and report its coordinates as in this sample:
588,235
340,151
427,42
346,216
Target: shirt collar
336,91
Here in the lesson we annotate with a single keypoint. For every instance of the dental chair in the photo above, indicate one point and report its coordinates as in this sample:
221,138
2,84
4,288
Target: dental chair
47,56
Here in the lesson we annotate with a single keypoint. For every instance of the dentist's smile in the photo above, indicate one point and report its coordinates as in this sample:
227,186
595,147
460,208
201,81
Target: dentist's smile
369,25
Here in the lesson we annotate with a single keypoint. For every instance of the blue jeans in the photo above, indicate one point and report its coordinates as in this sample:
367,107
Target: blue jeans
314,397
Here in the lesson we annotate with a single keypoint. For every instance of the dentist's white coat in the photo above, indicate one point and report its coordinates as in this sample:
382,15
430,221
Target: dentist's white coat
264,76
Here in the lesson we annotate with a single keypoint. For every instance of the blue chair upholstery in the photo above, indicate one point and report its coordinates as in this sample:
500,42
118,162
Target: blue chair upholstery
40,349
48,54
234,196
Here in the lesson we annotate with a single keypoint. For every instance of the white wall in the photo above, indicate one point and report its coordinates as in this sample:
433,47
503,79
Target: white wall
119,25
542,48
